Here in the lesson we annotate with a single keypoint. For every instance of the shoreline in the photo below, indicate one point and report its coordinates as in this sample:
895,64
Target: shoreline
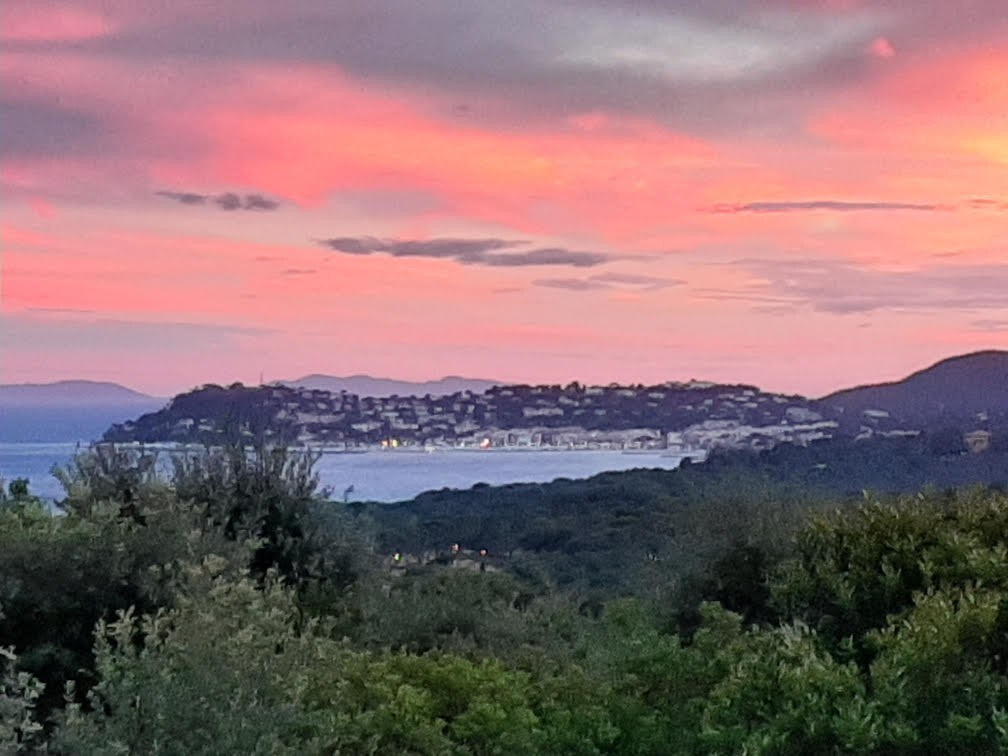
378,449
390,475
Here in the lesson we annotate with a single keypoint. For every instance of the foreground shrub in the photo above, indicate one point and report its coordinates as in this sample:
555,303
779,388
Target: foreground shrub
217,674
230,670
855,570
20,730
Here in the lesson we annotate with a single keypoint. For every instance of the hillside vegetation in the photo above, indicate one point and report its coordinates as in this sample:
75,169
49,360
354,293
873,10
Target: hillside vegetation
230,609
640,532
954,390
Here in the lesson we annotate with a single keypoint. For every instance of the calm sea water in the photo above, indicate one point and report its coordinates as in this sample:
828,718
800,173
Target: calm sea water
381,475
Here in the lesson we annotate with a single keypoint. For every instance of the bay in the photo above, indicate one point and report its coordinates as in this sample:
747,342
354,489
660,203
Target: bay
386,476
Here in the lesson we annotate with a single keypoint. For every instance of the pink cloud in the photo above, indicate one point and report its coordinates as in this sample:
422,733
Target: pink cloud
307,133
882,48
36,22
940,108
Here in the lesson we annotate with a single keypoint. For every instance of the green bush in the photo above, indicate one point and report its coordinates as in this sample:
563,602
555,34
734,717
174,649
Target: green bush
940,672
20,730
854,570
221,673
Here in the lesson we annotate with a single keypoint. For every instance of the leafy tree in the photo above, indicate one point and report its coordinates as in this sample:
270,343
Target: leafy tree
441,608
940,673
60,575
785,695
108,474
658,683
217,674
20,730
17,496
229,670
853,570
263,495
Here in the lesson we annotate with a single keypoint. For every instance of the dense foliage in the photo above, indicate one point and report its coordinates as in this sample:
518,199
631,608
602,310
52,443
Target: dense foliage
226,607
648,532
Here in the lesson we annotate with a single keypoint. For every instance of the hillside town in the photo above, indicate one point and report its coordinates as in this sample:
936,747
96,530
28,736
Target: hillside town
681,417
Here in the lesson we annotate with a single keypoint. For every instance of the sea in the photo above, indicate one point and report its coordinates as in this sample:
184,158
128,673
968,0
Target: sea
380,475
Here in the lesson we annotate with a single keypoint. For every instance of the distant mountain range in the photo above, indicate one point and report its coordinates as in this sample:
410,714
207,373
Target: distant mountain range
365,385
956,389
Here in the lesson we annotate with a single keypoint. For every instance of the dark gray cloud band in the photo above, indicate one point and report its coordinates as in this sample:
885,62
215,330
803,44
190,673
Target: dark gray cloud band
228,201
43,128
497,253
704,67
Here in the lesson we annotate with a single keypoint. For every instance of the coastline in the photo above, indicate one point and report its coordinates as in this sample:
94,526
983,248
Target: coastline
378,474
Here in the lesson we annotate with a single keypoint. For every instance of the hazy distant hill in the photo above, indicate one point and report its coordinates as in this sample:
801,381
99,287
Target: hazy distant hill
958,388
67,410
365,385
72,393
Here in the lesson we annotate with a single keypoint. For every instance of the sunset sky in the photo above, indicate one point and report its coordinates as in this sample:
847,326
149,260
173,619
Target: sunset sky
799,194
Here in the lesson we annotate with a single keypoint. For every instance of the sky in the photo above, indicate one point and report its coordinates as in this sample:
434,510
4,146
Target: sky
798,194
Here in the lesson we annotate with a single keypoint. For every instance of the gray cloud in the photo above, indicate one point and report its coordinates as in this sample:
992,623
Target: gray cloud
570,284
985,203
228,201
41,128
833,205
630,279
463,250
298,271
258,202
185,198
707,68
839,287
991,325
718,64
545,256
626,281
501,253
